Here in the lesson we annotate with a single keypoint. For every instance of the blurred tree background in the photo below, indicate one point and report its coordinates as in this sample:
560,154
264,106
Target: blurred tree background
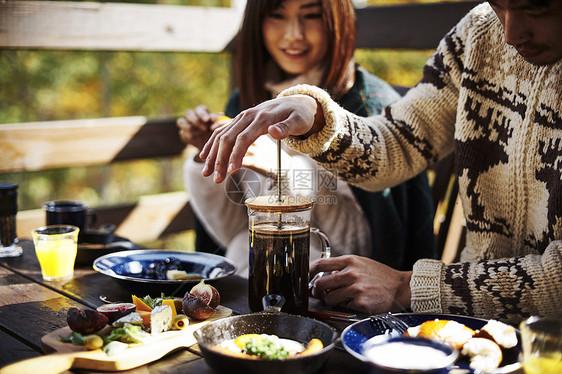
61,85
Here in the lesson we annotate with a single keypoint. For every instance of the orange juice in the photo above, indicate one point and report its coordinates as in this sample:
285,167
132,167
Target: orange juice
541,339
543,364
56,248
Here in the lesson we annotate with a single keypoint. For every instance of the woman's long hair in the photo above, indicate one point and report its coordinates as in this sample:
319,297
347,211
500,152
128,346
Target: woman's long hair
251,55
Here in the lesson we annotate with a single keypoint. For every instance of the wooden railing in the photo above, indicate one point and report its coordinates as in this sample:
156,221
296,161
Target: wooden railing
58,25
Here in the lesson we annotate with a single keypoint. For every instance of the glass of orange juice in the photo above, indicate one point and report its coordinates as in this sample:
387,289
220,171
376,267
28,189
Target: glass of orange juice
56,248
542,344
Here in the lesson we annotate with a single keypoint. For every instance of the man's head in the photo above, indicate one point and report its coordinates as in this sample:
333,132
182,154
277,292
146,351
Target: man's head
533,27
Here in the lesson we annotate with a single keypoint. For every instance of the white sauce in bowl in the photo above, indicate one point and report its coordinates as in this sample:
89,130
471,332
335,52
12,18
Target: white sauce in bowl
401,355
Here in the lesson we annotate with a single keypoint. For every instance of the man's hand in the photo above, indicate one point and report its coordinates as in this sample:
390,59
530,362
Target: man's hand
280,118
361,284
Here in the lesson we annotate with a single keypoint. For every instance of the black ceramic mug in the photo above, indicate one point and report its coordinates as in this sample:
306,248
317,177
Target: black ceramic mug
68,212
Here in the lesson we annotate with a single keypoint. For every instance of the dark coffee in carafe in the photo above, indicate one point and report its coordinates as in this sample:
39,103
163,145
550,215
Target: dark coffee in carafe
279,264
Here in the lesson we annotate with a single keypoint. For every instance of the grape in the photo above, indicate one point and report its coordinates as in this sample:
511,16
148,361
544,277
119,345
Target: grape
158,268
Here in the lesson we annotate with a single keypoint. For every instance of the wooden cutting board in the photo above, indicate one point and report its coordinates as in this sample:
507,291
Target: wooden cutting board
68,356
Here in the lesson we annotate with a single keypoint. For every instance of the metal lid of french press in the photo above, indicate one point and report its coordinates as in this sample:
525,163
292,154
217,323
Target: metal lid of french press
8,199
271,203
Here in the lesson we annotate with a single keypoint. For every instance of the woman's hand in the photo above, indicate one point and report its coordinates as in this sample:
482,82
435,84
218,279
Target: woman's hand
197,125
361,284
281,117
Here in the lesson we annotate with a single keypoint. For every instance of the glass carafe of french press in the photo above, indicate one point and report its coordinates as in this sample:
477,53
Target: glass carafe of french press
279,243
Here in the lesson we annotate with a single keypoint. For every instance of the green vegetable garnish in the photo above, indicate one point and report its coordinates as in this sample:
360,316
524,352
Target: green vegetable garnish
76,338
128,334
153,303
149,301
266,348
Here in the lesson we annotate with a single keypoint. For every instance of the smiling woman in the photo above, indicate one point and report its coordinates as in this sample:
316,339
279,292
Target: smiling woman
295,37
289,38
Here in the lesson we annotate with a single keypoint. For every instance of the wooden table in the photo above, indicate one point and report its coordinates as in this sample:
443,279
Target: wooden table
31,308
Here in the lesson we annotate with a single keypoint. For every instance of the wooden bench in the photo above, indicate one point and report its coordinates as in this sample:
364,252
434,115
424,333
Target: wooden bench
27,147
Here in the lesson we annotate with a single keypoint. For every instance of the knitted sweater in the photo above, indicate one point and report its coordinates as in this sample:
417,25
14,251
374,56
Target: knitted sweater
502,118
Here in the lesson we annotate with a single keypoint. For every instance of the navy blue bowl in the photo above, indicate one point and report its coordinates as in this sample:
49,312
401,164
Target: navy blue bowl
136,269
355,336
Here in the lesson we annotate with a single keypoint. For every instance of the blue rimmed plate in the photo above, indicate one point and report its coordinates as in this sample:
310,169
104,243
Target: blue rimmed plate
138,267
355,336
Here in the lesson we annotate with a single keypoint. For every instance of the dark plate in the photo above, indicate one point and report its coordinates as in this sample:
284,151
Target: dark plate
354,337
128,267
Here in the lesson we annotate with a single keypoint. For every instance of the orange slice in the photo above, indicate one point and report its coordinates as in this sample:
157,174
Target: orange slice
223,119
141,305
313,346
145,315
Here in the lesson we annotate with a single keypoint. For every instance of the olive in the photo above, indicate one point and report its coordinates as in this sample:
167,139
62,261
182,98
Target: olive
180,322
92,342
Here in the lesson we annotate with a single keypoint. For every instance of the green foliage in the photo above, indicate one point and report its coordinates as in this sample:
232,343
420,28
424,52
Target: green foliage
399,68
62,85
59,85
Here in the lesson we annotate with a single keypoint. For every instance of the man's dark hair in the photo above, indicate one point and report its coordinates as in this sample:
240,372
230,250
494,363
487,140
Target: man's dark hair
537,3
540,3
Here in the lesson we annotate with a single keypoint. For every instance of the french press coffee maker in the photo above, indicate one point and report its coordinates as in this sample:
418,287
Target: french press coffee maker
279,243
